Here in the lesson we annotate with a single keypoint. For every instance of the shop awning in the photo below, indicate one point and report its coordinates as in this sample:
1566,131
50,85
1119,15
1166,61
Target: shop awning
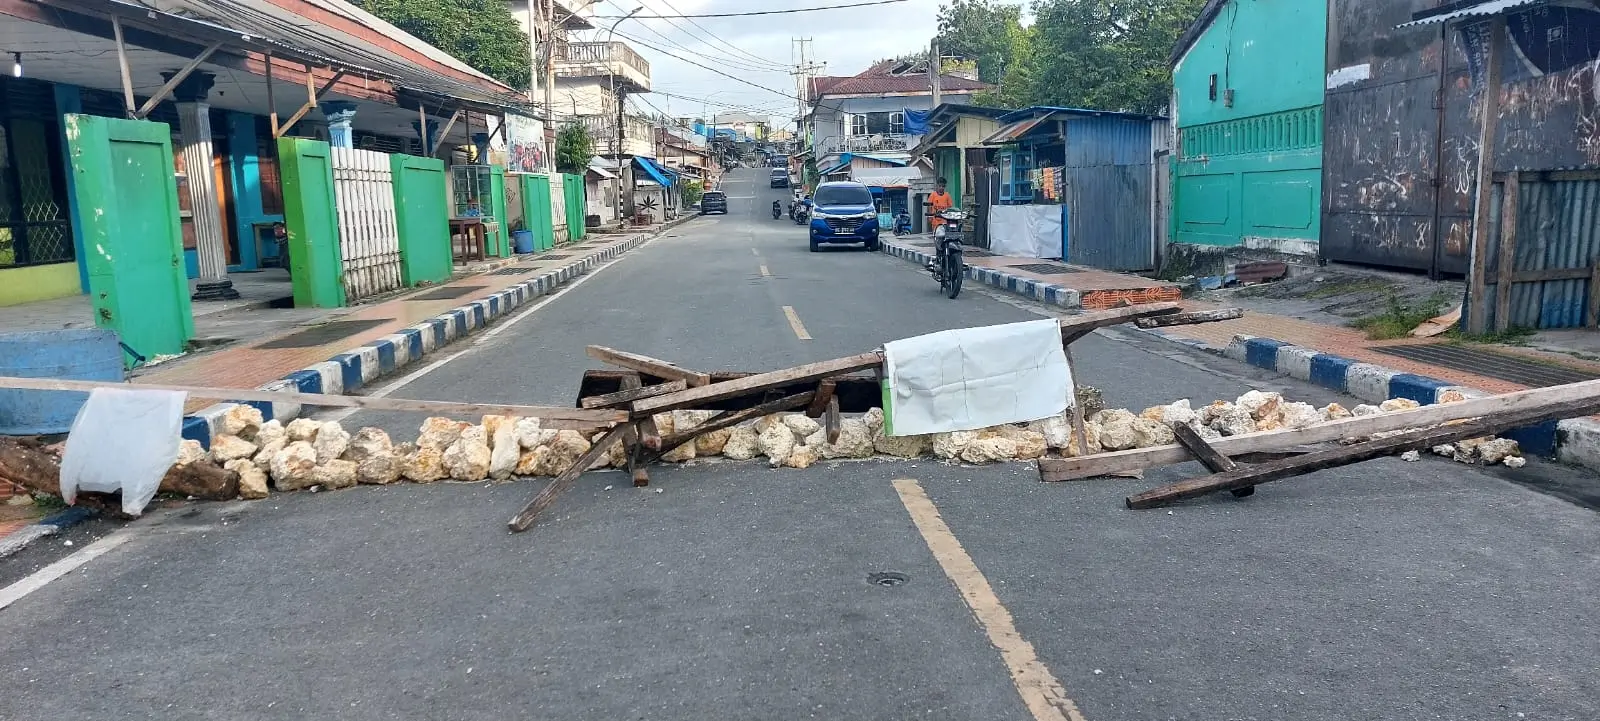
1014,132
1485,9
887,177
650,168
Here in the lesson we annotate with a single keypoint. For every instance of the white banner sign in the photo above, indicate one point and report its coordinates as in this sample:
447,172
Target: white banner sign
525,141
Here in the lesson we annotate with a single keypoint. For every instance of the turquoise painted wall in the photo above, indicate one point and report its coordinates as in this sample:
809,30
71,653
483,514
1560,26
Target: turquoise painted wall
244,168
1251,170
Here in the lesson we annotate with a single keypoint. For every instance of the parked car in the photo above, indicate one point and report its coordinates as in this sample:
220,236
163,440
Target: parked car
843,212
714,201
780,178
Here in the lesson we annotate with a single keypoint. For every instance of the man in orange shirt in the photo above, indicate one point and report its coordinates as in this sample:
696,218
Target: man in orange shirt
940,201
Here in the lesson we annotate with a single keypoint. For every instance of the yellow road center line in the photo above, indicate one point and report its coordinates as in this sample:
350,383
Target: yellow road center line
765,273
1040,691
794,322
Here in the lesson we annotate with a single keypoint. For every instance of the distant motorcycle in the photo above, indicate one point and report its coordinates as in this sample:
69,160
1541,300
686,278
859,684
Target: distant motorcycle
802,214
777,210
902,224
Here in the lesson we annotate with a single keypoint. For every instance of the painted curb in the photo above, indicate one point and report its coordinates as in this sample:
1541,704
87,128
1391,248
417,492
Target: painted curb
347,372
1057,295
1575,441
49,526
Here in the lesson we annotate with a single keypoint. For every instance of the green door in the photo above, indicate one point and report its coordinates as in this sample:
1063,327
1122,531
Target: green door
499,243
123,181
542,222
316,266
577,209
422,218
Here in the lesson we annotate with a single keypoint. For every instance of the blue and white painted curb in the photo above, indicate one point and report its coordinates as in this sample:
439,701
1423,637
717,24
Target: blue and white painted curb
1575,441
347,372
20,538
1050,293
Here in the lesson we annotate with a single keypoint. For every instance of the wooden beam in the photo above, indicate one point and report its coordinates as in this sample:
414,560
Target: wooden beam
645,364
1591,316
272,100
825,392
172,83
550,417
757,383
1200,316
1078,425
313,94
1074,327
122,65
1419,439
1508,252
1067,469
1488,123
1535,276
733,418
547,495
629,395
445,133
1215,462
831,421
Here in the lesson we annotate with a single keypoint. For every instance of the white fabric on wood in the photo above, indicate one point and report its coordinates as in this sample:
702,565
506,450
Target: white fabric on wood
972,378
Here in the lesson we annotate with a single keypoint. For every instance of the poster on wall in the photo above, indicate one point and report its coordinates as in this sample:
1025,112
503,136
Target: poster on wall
525,141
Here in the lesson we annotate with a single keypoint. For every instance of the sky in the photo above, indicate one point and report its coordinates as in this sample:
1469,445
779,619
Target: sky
757,49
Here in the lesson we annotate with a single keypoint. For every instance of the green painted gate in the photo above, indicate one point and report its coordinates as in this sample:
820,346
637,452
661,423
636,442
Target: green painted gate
422,217
315,264
124,187
577,208
542,219
500,240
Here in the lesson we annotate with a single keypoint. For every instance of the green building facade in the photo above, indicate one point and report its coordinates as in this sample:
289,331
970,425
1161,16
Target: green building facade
1248,83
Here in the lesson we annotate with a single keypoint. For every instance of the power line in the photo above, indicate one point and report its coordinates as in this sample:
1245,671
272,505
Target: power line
758,12
740,65
676,56
736,49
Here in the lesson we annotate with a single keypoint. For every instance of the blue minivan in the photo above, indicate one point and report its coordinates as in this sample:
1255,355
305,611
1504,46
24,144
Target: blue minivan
843,212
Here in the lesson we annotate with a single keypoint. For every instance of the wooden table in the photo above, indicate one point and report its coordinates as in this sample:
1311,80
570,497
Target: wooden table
475,240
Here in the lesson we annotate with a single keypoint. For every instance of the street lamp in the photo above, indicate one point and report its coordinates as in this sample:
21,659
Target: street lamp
616,134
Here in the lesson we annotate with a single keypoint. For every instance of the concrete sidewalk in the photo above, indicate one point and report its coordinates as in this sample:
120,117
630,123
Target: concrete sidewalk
1047,281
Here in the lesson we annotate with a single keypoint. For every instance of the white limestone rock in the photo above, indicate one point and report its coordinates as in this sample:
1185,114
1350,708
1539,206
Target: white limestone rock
532,462
1117,432
374,454
1411,456
1515,461
1365,410
242,420
263,457
425,465
467,459
505,450
332,441
230,448
292,467
1235,421
531,436
801,424
1497,450
565,450
994,449
1447,450
1030,444
874,419
1333,412
948,446
1398,404
252,480
335,474
1057,429
1260,404
855,440
302,429
801,456
190,451
900,446
1297,415
440,433
269,432
711,444
776,443
743,444
1211,412
1149,433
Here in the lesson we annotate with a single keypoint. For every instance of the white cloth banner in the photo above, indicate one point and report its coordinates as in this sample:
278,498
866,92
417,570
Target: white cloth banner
124,439
1025,231
972,378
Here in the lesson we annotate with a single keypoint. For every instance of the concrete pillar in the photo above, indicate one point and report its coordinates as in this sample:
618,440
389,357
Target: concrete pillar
194,130
430,138
340,114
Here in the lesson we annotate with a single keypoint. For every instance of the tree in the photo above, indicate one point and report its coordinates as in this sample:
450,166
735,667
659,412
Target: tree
986,32
691,192
481,33
1107,54
574,149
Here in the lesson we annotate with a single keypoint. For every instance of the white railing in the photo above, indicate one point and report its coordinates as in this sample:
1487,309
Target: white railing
872,142
369,238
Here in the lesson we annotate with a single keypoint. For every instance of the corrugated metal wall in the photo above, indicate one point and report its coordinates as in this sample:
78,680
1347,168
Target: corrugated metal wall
1108,193
1558,234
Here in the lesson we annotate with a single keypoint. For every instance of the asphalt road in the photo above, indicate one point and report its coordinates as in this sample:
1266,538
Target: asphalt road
1381,591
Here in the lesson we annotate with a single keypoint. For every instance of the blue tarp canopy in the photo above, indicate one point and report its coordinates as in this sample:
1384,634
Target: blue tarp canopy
656,172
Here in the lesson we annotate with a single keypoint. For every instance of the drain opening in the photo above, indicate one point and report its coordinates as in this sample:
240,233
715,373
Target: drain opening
887,578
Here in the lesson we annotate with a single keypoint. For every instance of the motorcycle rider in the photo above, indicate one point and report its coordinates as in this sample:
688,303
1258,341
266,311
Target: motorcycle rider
938,202
777,210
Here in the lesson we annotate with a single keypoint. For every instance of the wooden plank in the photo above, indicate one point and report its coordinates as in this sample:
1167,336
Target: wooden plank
1508,252
1535,276
825,393
1074,327
830,420
693,397
549,417
178,77
646,364
1488,124
624,397
1591,317
1067,469
547,495
122,65
1203,452
1199,316
733,418
1415,440
1078,427
644,433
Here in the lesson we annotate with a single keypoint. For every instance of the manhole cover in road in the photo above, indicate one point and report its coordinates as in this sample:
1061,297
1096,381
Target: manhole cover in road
447,293
887,578
1046,268
1531,373
513,270
326,333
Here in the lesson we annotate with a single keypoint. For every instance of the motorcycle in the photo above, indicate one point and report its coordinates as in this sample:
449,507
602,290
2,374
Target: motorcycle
777,210
948,266
902,224
802,214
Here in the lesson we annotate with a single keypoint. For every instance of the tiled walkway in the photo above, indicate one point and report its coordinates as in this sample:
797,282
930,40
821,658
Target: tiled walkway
250,365
1097,288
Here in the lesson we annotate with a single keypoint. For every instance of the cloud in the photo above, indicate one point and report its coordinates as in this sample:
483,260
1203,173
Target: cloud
847,40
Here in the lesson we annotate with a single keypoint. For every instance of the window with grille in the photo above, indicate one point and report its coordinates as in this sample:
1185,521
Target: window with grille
897,122
34,227
858,124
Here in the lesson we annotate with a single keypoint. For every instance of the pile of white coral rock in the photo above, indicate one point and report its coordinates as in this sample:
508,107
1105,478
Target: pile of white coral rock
306,453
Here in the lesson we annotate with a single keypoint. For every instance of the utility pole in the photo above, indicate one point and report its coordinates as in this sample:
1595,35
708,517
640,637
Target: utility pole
549,80
933,70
